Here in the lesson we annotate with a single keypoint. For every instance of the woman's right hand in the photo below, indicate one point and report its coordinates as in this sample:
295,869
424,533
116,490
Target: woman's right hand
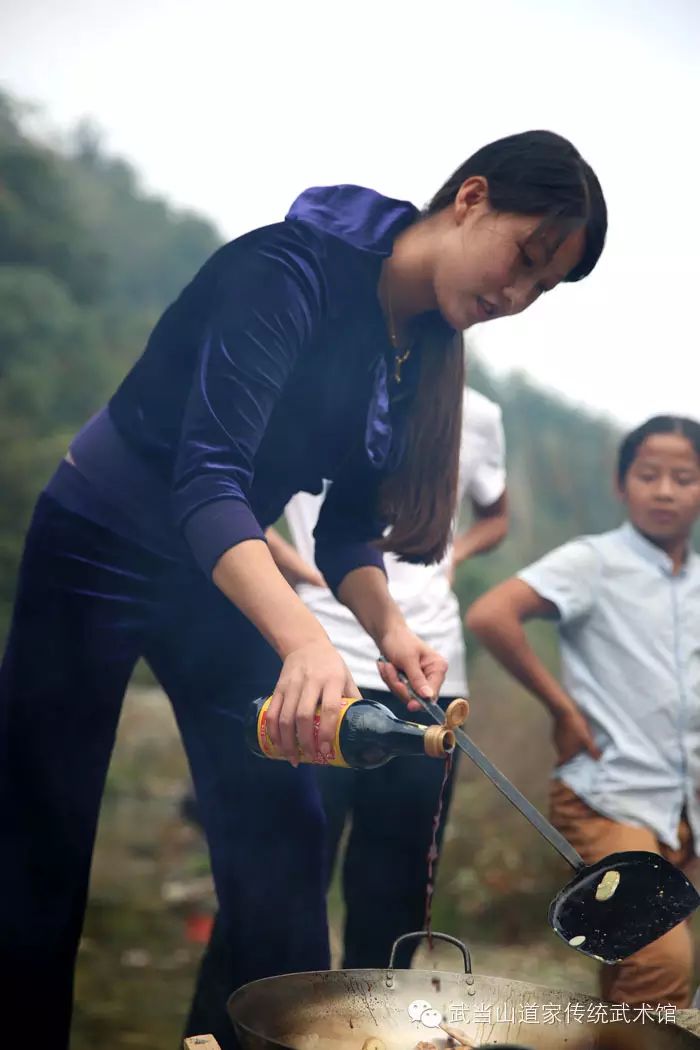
314,671
572,735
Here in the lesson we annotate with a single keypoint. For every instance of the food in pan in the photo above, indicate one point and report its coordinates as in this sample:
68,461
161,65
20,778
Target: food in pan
607,885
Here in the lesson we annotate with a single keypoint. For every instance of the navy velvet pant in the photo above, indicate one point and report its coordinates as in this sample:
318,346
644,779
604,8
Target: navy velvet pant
385,870
89,604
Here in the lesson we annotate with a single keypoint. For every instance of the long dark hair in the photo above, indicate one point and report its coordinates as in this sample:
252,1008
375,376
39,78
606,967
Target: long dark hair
687,428
534,173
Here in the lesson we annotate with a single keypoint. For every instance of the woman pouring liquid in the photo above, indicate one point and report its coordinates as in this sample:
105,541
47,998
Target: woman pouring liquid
325,346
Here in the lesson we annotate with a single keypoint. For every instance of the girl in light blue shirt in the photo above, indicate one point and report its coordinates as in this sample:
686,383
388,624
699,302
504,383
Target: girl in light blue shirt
627,710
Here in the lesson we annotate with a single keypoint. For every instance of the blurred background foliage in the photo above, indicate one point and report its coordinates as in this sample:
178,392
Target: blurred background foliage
87,263
88,260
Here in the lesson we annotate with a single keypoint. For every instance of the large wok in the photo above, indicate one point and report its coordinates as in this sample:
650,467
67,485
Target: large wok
340,1009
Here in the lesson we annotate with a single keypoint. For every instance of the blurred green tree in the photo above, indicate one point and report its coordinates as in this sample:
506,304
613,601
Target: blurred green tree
87,263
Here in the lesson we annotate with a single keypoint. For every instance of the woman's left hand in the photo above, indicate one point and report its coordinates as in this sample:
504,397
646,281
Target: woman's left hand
422,665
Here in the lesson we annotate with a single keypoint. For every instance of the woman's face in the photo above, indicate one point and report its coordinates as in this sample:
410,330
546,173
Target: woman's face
492,264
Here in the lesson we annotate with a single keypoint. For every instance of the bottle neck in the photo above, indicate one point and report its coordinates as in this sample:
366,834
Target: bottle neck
405,738
408,738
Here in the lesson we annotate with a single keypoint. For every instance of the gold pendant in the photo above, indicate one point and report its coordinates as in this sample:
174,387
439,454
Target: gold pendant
398,361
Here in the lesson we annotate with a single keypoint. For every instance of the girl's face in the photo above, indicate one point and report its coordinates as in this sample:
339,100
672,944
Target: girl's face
662,488
492,264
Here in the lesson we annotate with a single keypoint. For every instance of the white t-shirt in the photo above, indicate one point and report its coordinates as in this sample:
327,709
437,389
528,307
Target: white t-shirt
422,592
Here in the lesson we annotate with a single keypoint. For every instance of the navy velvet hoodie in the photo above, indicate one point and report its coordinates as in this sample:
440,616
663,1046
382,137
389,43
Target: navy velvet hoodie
269,373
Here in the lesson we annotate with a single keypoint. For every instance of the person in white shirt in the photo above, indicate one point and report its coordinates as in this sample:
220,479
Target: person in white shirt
627,714
392,809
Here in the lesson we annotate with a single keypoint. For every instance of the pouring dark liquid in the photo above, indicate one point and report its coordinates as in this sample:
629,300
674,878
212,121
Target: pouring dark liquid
433,854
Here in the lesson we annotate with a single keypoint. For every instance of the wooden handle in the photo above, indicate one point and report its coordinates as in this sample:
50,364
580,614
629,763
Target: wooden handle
201,1042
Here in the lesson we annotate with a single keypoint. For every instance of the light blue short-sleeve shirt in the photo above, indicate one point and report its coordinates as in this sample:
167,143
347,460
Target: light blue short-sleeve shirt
630,652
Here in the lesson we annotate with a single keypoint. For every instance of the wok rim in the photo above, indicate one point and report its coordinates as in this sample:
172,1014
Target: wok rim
378,973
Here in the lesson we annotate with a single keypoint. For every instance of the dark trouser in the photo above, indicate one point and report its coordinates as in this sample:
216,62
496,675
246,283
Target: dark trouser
89,603
392,810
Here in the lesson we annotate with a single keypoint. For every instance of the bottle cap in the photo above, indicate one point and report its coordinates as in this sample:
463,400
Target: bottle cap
457,713
439,741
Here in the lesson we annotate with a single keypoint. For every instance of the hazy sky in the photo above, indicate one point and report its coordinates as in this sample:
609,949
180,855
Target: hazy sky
233,109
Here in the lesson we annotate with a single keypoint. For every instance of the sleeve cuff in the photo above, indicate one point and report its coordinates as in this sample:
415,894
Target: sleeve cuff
488,486
336,560
216,527
547,590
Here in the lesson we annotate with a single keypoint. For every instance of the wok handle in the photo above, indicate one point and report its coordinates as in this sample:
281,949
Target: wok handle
436,936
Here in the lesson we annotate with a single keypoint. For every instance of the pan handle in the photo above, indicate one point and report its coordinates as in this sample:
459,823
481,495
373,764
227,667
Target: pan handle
438,937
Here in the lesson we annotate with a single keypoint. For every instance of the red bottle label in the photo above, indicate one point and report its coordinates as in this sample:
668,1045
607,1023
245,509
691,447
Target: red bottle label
270,751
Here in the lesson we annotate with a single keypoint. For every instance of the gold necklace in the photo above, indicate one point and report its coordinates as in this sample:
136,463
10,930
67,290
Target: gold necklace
399,356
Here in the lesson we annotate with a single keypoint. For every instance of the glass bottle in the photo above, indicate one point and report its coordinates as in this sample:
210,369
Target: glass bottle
367,735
